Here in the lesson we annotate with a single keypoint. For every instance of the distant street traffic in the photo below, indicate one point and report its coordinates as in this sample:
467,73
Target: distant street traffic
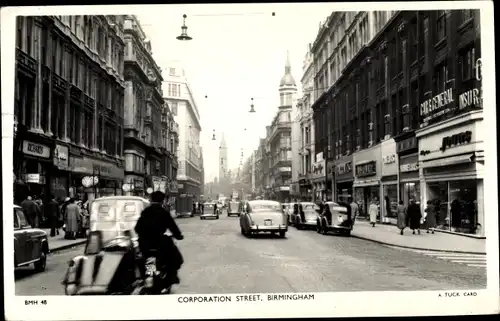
218,259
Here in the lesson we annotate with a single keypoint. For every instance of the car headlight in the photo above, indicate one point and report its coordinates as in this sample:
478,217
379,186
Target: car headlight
341,219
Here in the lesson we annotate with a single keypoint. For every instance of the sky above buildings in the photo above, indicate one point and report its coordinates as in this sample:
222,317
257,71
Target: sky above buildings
237,52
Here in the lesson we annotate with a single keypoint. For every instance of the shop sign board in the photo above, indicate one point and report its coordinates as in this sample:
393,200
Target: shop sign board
32,178
456,139
344,169
436,106
61,157
406,144
366,169
35,149
99,168
318,169
411,167
389,157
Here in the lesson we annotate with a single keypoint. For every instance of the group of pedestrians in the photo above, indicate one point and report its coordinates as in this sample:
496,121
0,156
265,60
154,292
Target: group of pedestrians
69,212
411,216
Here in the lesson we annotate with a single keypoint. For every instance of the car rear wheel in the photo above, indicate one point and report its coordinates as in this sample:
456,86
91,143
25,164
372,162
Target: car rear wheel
201,217
242,230
297,225
217,217
41,264
282,234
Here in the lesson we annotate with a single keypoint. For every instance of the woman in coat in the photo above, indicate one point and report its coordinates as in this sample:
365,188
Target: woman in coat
401,216
72,219
430,217
414,216
373,211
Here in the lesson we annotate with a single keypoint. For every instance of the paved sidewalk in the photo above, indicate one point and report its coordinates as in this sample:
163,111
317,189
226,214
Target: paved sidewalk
443,242
58,242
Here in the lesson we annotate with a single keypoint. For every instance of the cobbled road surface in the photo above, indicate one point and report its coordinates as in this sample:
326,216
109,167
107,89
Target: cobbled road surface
218,259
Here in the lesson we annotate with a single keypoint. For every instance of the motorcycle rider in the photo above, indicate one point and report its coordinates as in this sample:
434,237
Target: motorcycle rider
151,228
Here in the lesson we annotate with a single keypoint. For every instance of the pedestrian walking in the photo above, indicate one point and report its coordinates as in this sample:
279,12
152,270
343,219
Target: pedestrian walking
414,216
373,211
401,209
52,214
430,217
72,219
30,209
354,209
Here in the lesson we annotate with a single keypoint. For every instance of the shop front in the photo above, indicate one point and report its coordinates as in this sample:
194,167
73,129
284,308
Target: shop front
318,178
451,169
344,178
389,181
33,170
134,185
108,178
61,172
367,176
409,181
188,193
305,189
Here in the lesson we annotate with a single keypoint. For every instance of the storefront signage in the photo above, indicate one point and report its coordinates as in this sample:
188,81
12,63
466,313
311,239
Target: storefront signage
366,169
406,144
470,98
34,149
319,168
389,159
460,138
32,178
61,157
479,69
344,168
95,167
411,167
434,107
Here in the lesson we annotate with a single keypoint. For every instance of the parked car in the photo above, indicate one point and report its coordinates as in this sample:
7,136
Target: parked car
263,216
233,208
31,245
340,222
310,214
210,211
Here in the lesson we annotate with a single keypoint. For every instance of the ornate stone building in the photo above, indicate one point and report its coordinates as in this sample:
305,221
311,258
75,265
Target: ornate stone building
68,105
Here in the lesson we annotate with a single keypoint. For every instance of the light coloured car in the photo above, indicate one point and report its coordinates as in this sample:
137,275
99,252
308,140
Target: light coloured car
340,222
31,245
233,208
310,215
209,211
113,215
263,216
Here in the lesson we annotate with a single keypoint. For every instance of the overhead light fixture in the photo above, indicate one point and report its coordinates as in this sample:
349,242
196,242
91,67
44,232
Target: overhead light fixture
252,109
213,136
184,36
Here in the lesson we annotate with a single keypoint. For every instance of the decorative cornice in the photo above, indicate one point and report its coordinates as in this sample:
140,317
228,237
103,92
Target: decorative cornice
383,46
401,27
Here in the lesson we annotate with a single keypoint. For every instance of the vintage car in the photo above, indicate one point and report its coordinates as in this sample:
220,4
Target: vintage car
233,208
310,214
114,215
340,222
209,210
30,244
263,216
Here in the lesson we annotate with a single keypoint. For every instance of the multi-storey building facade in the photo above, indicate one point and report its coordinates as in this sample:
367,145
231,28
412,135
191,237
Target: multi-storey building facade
181,101
68,106
412,125
170,139
279,138
145,147
339,40
305,127
259,169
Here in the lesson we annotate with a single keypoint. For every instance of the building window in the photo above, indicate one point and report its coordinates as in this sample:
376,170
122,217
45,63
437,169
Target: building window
441,25
466,15
29,35
171,71
402,56
19,34
467,63
414,42
425,38
440,78
174,107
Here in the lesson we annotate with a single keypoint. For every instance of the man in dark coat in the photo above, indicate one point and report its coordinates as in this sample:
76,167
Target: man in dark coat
414,215
151,228
30,210
51,209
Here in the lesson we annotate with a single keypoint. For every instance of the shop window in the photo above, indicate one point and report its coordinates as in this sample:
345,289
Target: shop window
409,191
463,206
363,196
390,203
437,194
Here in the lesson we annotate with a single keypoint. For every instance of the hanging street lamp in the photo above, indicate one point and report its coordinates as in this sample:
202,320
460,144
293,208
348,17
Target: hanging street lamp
213,136
252,109
184,36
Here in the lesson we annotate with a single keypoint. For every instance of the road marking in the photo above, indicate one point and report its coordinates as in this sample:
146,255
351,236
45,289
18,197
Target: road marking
473,260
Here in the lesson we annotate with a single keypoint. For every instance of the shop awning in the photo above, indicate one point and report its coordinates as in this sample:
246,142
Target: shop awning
461,159
373,182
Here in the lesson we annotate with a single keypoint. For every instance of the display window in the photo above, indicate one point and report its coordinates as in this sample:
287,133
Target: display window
409,191
363,197
390,201
456,205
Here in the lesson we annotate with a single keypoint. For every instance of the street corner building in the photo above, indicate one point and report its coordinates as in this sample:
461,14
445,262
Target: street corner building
190,171
408,129
68,108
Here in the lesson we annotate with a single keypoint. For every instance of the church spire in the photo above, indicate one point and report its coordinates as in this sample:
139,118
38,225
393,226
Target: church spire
288,66
223,141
